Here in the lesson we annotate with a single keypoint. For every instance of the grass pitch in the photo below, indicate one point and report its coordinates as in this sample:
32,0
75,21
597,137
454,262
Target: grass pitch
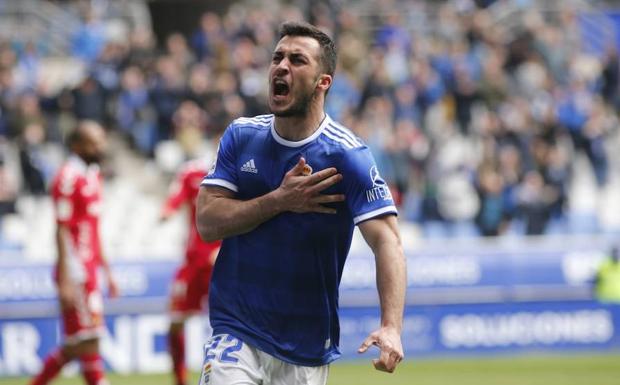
522,370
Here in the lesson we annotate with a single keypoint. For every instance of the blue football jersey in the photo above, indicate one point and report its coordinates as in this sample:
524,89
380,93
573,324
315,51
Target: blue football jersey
276,287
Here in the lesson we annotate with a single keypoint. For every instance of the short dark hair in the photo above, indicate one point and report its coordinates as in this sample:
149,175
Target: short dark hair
328,48
74,137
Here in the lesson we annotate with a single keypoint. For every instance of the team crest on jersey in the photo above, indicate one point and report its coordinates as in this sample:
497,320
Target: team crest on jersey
212,168
379,189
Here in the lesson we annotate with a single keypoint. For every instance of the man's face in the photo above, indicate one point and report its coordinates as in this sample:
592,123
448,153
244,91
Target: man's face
293,75
93,145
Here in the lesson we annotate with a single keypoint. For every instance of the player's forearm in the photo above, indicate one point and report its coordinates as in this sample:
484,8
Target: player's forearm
391,283
105,264
61,249
383,237
219,217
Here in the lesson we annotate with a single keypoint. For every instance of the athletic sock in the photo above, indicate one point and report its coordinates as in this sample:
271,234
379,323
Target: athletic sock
176,346
51,367
92,369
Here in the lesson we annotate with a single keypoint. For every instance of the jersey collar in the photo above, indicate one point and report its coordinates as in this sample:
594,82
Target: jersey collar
299,143
78,164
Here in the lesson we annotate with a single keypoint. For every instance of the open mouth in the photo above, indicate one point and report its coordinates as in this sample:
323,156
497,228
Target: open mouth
280,88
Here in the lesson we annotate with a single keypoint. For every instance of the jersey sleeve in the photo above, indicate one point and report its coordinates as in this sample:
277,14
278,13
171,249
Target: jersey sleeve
177,194
223,173
367,194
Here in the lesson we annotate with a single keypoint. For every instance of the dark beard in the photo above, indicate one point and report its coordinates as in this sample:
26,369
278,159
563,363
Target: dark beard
300,108
92,159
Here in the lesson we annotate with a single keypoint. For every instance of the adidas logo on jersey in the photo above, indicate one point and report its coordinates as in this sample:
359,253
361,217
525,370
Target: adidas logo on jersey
249,166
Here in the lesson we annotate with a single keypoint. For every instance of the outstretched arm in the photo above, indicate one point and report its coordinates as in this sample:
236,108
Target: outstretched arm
220,215
383,237
113,290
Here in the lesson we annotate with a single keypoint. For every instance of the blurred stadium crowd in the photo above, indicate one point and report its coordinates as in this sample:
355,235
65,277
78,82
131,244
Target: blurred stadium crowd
478,127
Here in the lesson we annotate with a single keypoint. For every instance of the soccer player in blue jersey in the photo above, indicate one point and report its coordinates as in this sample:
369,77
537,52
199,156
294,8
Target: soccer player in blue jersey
287,230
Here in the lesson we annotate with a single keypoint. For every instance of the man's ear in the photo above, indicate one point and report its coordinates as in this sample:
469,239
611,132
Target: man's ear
324,82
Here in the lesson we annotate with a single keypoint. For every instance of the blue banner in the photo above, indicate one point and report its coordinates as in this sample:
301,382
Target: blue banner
492,328
136,342
489,299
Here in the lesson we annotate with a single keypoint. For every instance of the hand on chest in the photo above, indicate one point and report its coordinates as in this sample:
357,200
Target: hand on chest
262,172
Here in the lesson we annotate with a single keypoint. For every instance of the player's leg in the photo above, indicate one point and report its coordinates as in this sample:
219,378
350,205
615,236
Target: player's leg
189,292
176,348
83,337
229,361
81,324
91,362
179,311
52,365
284,373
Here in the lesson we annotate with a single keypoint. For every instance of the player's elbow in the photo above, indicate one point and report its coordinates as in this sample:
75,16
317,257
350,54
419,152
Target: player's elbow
208,234
209,223
206,229
206,217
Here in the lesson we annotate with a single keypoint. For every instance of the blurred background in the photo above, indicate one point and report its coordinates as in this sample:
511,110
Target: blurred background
494,122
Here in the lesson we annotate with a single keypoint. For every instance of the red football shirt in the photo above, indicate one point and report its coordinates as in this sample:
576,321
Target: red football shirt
184,190
76,192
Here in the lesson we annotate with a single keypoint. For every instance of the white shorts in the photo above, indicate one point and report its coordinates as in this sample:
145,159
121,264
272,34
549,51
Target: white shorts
229,361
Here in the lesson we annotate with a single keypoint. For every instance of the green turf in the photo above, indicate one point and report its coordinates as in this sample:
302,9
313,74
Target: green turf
553,370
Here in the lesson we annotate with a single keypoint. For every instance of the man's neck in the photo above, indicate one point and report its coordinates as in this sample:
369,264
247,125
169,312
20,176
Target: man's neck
296,128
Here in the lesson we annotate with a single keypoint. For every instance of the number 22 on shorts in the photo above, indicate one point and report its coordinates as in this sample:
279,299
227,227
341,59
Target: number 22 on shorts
230,346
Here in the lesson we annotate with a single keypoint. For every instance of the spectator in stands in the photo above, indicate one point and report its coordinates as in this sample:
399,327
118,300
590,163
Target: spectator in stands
200,84
465,94
580,112
60,113
32,160
166,94
492,217
344,93
177,49
610,77
406,104
510,168
28,66
535,199
90,100
135,115
226,87
106,68
8,191
141,49
430,87
190,123
494,84
89,39
535,85
598,125
208,37
551,162
27,111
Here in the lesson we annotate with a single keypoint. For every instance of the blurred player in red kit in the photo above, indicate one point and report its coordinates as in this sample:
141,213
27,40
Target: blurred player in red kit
76,191
191,281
